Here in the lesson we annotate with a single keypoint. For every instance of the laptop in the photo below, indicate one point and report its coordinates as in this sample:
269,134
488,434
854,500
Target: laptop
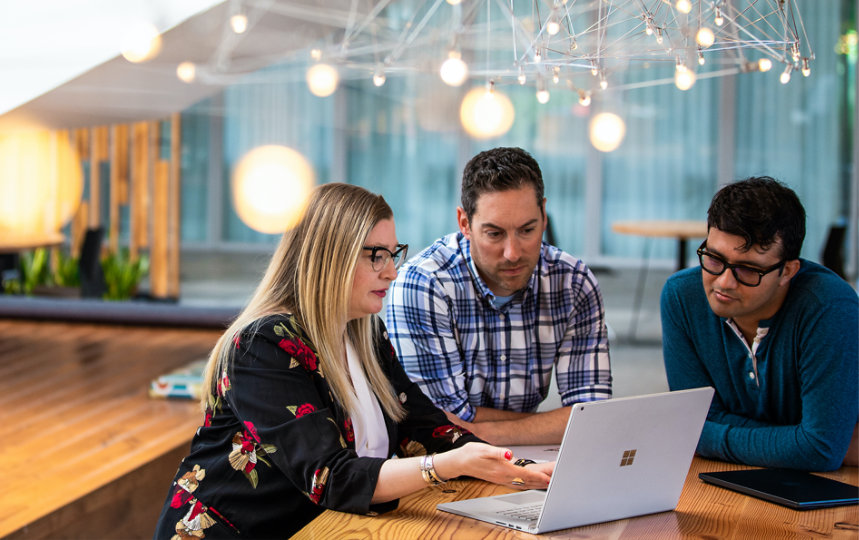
795,489
619,458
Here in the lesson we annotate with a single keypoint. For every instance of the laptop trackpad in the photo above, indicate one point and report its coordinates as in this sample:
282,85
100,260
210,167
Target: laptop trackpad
524,497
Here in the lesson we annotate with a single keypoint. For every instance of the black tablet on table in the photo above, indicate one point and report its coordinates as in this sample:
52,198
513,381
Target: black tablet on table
795,489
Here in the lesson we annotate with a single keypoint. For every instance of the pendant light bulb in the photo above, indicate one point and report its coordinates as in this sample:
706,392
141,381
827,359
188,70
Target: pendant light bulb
453,70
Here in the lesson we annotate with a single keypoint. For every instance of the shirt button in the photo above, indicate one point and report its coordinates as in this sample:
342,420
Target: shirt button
503,357
752,375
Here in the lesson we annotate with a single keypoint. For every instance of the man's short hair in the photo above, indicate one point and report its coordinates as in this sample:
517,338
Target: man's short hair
499,169
762,211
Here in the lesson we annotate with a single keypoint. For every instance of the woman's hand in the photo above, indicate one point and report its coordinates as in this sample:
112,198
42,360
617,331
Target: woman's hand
492,464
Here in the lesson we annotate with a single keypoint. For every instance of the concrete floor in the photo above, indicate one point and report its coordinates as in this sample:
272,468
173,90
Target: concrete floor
213,279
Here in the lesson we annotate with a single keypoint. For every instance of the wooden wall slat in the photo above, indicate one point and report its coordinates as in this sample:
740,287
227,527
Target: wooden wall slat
158,252
174,238
139,189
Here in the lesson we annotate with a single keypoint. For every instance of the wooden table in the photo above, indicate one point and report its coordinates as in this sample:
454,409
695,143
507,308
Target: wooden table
704,511
681,230
85,452
14,243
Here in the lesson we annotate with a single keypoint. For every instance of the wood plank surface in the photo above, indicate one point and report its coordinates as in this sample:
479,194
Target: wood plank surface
704,511
84,445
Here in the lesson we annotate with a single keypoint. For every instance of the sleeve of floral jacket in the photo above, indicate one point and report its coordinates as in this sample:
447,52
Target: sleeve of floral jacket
279,392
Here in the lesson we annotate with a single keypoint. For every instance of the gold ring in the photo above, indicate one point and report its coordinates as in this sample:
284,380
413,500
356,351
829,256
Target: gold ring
517,482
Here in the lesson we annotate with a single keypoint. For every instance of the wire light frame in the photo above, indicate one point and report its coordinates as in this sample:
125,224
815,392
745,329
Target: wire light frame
582,45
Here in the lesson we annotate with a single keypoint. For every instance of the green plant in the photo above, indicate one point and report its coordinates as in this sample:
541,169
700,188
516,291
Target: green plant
33,270
122,274
67,271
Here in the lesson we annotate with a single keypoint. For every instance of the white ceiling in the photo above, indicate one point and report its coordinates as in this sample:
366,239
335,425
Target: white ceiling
60,63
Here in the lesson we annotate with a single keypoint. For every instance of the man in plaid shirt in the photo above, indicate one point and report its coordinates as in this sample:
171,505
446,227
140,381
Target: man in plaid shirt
480,318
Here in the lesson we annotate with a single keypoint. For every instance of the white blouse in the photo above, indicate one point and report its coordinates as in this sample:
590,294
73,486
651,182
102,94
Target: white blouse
371,436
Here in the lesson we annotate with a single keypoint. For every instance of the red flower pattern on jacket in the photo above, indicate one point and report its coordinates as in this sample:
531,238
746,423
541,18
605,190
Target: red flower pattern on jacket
350,431
301,352
307,408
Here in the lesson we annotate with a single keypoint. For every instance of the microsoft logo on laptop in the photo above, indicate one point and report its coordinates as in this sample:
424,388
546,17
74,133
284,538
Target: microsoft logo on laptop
628,458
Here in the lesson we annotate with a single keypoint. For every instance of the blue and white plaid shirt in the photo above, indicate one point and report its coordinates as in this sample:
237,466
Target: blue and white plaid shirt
466,353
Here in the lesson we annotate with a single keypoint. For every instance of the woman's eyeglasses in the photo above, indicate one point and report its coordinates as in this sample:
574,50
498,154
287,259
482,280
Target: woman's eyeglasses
379,256
748,276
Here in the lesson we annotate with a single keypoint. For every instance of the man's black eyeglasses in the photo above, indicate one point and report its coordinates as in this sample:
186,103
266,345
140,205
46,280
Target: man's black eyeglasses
748,276
379,256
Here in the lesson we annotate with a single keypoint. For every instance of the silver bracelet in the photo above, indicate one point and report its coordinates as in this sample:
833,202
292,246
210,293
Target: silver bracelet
428,472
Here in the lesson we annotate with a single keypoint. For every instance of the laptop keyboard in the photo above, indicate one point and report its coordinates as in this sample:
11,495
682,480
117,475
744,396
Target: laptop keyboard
527,512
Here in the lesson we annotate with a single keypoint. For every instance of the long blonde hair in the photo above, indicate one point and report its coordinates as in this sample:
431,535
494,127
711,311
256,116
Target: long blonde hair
310,275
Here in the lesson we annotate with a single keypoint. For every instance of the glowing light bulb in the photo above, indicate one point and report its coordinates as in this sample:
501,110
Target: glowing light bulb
553,27
794,51
187,72
574,45
538,57
521,78
542,93
806,70
606,131
648,27
239,23
718,20
684,79
603,82
379,77
765,64
266,170
705,37
141,43
556,75
701,60
785,75
683,6
584,99
454,2
486,113
659,36
322,79
594,70
453,70
315,54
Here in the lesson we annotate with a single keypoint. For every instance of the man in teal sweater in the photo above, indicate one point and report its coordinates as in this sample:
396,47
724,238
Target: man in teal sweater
774,334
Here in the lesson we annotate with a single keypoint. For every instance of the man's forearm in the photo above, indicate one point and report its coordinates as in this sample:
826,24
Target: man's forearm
520,428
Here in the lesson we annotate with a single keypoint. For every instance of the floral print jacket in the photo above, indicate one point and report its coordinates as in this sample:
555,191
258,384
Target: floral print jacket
276,450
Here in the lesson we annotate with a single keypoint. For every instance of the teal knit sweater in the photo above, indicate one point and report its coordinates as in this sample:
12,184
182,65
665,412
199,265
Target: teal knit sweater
799,410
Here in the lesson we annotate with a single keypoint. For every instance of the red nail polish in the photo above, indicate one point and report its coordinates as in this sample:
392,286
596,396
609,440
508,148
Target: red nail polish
508,455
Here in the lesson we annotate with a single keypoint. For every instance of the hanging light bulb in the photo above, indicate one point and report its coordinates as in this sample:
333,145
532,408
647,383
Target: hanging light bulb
574,45
315,54
322,79
603,81
584,98
659,36
521,78
606,131
594,70
141,43
718,20
453,70
486,113
538,56
553,25
785,75
684,78
239,23
556,74
683,6
187,72
701,60
648,26
705,37
765,64
379,77
542,93
794,51
806,70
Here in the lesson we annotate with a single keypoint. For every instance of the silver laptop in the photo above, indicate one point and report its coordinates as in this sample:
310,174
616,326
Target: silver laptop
619,458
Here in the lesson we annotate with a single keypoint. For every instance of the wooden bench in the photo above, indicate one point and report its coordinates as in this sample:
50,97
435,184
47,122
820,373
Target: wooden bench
85,452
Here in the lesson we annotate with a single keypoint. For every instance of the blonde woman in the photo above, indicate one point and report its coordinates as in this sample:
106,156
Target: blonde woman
306,401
